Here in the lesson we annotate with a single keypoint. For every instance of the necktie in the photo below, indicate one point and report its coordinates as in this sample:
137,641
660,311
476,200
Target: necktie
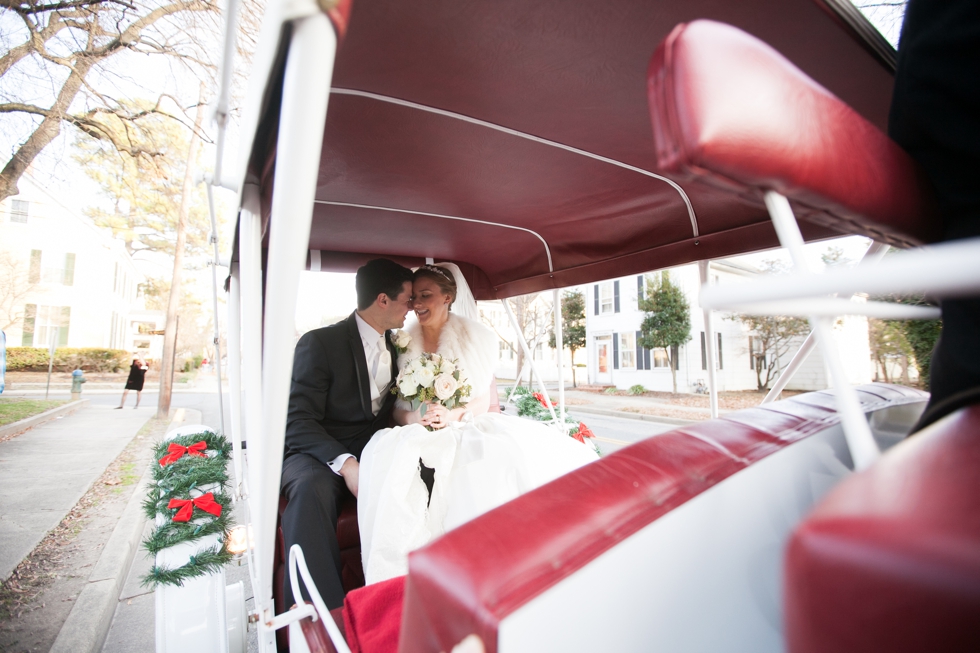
383,375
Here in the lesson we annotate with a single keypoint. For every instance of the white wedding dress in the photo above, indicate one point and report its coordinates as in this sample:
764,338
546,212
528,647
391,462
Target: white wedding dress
479,464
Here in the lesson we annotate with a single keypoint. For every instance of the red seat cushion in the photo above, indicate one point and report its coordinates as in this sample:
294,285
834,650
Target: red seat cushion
373,615
890,559
730,111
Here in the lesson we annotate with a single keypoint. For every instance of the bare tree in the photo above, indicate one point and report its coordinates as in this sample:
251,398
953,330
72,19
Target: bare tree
15,285
534,319
64,43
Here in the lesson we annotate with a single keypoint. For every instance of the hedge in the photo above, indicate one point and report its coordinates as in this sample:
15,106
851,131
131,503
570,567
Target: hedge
66,359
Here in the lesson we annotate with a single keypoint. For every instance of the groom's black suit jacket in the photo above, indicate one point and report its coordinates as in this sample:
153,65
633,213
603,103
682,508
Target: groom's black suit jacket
330,399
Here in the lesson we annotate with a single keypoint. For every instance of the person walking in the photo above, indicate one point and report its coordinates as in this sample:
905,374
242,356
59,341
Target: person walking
137,373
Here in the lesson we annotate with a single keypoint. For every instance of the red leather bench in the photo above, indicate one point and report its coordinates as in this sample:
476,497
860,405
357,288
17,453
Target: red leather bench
890,560
479,576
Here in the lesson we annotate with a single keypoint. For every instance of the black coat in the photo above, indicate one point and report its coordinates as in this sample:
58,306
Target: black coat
330,399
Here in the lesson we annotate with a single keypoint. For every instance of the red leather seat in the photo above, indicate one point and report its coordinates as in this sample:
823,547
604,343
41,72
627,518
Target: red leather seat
890,559
349,538
730,111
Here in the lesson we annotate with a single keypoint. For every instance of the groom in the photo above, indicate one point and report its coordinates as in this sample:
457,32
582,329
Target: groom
340,396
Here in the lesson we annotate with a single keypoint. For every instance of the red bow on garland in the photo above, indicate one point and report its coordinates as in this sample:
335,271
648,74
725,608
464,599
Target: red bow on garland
186,507
583,432
177,451
540,398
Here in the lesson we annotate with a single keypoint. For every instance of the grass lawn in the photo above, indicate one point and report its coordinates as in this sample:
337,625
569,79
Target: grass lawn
13,409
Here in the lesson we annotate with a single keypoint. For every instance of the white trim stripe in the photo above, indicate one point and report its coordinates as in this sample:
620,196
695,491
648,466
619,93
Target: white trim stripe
530,137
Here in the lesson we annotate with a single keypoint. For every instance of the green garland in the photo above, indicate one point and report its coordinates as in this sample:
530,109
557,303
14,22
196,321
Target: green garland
177,481
529,406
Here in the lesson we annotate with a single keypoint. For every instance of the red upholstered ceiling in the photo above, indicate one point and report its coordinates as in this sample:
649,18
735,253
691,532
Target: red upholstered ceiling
569,72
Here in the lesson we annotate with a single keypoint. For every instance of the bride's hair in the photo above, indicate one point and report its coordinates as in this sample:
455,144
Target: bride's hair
443,279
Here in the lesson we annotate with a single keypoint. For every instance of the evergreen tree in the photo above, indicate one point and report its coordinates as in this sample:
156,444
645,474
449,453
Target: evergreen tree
667,323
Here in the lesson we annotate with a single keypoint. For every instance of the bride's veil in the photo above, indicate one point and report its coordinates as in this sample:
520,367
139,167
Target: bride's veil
465,304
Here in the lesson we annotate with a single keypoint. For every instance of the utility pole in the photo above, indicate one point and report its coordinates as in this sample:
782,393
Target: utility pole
170,337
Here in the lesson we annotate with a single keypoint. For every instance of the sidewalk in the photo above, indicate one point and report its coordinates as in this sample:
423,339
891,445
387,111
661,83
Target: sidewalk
45,471
582,402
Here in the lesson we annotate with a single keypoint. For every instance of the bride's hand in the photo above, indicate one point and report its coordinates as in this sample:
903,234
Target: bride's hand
437,416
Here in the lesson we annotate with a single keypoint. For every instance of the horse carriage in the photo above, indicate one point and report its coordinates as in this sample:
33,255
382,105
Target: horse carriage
544,145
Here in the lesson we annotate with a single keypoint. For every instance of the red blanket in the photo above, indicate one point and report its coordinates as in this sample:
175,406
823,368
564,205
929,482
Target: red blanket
373,616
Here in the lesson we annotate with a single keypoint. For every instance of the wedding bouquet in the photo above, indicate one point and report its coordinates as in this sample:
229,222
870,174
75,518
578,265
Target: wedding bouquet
432,378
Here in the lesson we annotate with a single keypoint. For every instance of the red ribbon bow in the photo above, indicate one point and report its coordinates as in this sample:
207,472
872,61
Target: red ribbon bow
186,507
177,451
583,432
540,398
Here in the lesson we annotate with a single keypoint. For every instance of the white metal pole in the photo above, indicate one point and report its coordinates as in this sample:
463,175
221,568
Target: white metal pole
517,382
873,254
214,296
709,344
529,358
250,272
305,94
235,373
864,450
560,346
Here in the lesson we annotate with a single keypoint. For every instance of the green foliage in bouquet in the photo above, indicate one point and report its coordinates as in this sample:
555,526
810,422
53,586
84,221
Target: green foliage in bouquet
178,480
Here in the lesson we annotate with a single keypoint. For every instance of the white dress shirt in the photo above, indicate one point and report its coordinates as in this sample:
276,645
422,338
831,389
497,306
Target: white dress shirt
374,346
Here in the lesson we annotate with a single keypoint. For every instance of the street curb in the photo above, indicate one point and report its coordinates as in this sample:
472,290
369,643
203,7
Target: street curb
40,418
91,617
638,416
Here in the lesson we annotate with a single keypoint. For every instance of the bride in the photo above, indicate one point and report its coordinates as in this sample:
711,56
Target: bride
481,459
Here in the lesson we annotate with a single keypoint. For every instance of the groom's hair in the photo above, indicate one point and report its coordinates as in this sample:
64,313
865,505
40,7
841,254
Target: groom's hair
379,276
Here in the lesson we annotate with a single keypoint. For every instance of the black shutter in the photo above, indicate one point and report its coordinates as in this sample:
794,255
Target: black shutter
646,360
751,353
639,289
597,299
616,296
674,356
721,366
615,351
639,352
704,353
27,337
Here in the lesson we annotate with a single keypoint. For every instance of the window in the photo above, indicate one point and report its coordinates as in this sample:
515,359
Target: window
627,351
19,210
506,352
660,358
51,268
606,298
539,352
757,356
42,323
704,353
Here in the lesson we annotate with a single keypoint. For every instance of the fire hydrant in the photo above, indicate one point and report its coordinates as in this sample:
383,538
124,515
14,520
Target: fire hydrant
77,379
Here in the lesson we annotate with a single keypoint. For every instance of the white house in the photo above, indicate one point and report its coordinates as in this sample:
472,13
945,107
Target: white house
540,321
66,280
614,357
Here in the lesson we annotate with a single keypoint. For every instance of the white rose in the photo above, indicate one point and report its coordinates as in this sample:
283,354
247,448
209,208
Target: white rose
445,386
447,366
424,377
416,365
402,339
435,359
408,386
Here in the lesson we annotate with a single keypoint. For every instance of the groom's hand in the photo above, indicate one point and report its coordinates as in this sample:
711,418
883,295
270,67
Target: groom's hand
349,470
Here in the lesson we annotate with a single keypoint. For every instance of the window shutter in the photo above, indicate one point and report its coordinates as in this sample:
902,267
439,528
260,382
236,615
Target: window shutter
69,269
646,360
63,326
616,351
704,353
721,365
34,273
751,354
639,289
639,352
616,296
30,313
596,299
674,357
